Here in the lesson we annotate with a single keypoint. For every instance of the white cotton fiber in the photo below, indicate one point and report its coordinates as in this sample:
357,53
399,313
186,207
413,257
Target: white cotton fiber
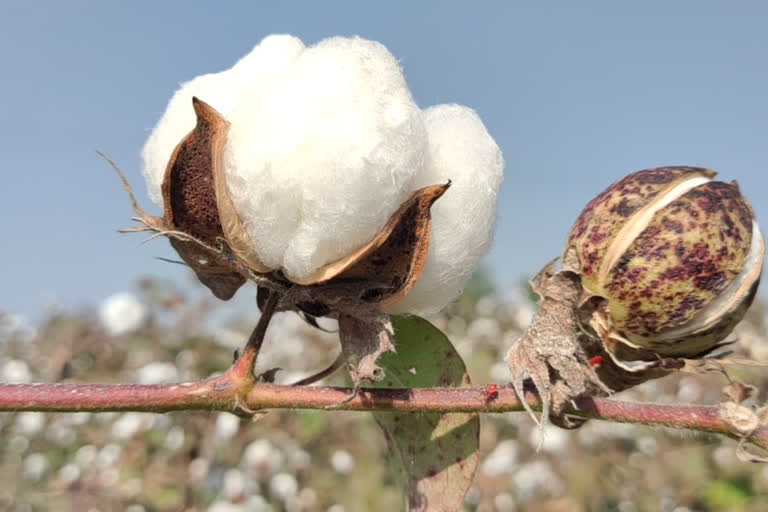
463,220
318,161
325,144
223,91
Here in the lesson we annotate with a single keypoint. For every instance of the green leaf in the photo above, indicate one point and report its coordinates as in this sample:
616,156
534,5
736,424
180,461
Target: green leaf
435,454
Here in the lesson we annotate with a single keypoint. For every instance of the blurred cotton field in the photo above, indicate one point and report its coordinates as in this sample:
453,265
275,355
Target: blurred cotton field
325,144
331,461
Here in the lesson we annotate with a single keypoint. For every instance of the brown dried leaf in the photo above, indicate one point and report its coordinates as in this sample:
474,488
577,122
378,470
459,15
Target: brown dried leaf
562,357
190,204
741,420
746,456
363,341
762,414
550,352
739,392
395,258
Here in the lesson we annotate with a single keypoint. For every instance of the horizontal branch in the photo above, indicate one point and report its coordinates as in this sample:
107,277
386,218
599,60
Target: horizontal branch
224,394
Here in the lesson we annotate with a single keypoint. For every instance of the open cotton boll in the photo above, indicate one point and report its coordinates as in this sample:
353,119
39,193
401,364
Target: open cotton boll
223,91
324,144
318,161
463,221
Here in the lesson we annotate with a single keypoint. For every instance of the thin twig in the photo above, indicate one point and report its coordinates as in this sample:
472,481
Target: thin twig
242,369
335,365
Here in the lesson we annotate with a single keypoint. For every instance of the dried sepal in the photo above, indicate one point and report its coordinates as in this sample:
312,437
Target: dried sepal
230,223
394,259
190,206
363,342
558,351
743,420
549,352
739,392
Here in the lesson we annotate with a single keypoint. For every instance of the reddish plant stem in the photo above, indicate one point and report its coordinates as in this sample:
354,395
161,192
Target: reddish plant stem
242,370
221,393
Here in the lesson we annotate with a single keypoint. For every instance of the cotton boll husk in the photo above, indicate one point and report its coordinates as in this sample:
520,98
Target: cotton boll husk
463,221
321,158
223,91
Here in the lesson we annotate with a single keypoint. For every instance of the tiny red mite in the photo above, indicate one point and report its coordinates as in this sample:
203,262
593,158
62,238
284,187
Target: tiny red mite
491,390
596,361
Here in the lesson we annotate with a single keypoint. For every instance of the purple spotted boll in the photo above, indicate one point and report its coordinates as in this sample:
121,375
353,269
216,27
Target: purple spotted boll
676,255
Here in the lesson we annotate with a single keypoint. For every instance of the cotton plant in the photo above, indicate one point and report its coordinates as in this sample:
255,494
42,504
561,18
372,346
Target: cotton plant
312,171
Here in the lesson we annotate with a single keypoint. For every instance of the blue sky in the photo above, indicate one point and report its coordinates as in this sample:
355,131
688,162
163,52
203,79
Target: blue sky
577,94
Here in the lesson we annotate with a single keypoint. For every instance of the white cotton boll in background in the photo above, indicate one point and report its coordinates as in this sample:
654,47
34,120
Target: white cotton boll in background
283,486
34,466
463,220
321,158
157,372
222,91
503,458
15,371
30,423
122,313
227,425
342,462
225,506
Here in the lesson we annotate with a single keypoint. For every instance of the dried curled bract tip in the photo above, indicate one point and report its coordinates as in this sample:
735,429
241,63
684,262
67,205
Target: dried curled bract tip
394,259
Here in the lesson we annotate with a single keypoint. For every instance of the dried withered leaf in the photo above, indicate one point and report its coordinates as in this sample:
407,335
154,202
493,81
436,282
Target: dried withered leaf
762,414
190,204
363,341
741,420
739,392
393,261
563,359
549,352
745,456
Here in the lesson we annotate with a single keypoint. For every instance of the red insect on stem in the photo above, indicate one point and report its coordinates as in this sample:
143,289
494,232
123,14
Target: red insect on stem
595,361
491,391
